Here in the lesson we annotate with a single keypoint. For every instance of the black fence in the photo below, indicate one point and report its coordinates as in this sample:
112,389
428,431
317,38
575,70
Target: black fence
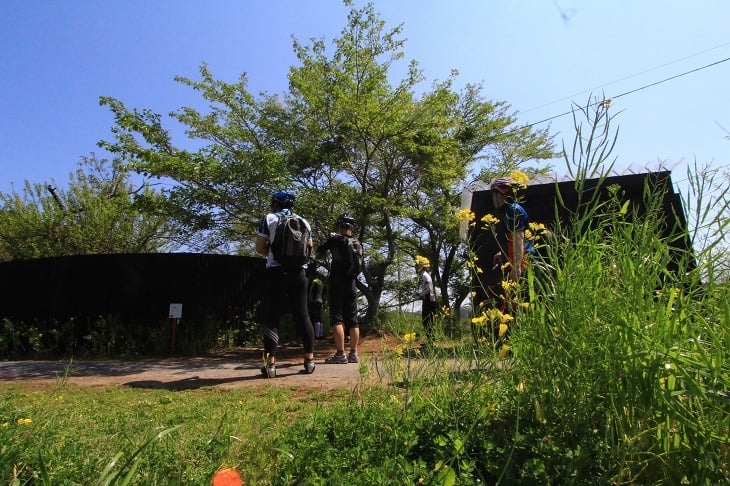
543,205
133,286
133,290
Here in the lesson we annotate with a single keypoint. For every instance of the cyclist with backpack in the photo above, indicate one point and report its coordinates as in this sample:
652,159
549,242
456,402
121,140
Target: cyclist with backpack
285,239
347,262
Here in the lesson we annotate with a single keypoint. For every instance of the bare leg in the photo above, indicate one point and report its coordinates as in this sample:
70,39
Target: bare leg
339,334
354,338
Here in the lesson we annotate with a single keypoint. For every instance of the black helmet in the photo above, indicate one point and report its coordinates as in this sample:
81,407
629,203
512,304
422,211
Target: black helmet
346,221
283,199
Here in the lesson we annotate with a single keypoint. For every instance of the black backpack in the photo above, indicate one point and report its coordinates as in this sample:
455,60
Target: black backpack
290,244
353,257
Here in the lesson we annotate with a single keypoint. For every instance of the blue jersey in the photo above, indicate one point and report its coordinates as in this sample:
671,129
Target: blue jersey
511,219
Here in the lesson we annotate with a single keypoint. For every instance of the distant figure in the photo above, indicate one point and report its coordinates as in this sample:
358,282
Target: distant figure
285,283
316,301
427,295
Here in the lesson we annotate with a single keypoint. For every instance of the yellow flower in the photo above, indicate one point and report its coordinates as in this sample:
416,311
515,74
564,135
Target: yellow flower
510,286
537,227
479,320
465,216
423,261
506,319
489,219
535,232
519,177
5,424
409,337
494,315
24,421
503,328
504,351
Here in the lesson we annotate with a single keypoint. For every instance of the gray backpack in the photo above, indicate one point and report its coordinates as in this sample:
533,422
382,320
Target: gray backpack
290,244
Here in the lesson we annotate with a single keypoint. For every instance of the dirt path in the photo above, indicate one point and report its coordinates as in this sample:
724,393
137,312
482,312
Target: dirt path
230,370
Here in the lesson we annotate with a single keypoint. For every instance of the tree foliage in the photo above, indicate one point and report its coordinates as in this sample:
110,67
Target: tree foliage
97,213
219,189
346,138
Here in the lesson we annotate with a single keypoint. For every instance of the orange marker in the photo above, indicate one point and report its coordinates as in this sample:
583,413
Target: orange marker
227,477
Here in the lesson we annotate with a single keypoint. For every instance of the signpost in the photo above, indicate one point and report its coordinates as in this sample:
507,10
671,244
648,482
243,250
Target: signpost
174,314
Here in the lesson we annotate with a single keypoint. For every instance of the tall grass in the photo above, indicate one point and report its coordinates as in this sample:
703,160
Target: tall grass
620,373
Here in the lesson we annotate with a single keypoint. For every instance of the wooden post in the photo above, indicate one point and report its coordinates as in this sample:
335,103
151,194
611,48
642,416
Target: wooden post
173,321
174,314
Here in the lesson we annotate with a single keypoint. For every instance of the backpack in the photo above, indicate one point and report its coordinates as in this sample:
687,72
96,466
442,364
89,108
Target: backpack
353,258
290,244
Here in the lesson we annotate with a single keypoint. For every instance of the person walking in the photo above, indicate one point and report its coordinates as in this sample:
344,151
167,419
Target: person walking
427,295
285,283
347,262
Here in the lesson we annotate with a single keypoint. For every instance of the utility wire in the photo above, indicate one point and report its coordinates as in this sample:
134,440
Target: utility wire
628,77
624,93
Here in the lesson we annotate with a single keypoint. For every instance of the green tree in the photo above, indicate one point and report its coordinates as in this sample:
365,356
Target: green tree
402,156
486,142
343,137
218,191
98,213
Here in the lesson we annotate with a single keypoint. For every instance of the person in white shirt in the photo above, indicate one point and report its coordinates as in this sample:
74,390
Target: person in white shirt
284,285
427,295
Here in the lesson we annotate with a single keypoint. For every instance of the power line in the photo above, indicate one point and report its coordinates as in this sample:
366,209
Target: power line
626,93
628,77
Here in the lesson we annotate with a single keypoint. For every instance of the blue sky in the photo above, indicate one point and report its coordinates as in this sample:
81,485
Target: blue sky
58,57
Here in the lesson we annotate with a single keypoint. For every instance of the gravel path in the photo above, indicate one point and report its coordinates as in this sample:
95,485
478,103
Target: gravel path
231,370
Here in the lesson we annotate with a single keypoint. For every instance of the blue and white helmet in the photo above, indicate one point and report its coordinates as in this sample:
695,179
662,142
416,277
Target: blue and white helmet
284,199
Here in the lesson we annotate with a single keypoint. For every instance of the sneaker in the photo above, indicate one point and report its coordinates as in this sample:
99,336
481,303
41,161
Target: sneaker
353,357
309,366
338,358
269,371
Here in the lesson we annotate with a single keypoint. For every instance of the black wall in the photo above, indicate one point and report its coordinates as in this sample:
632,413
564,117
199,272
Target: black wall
543,205
137,287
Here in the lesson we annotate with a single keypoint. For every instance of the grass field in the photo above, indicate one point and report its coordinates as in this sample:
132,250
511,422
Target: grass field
618,372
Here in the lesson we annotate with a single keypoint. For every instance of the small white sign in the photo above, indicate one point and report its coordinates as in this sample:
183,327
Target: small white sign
175,311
